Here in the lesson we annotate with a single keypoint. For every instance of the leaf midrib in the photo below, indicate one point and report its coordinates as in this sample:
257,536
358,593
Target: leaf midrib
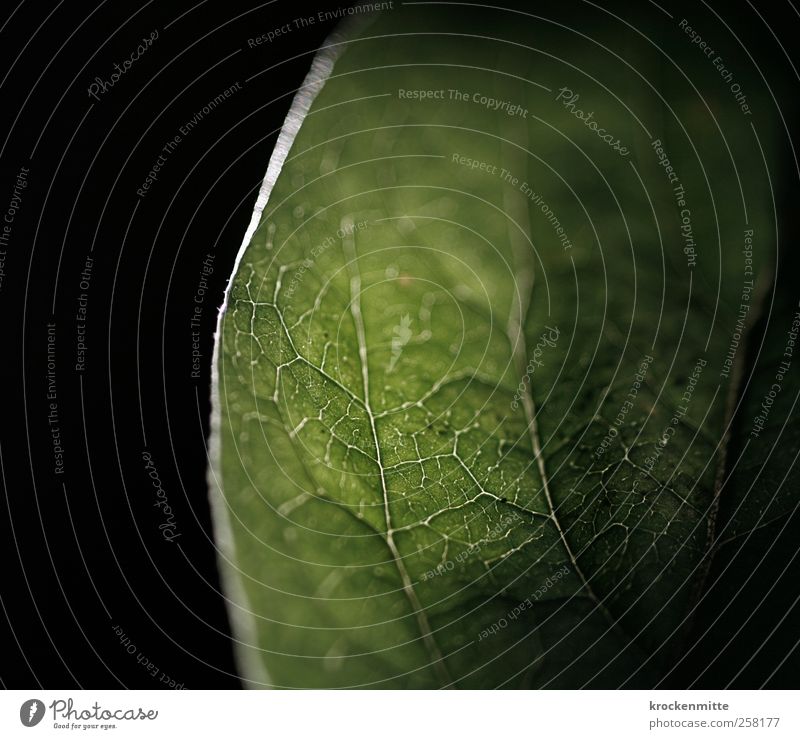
351,260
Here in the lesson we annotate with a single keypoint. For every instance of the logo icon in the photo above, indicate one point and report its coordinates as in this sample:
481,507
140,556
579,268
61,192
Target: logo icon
31,712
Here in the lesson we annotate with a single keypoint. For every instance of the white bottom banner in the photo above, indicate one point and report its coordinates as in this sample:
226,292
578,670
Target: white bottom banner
398,714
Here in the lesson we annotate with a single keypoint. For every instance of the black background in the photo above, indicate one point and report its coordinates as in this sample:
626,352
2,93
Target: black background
94,557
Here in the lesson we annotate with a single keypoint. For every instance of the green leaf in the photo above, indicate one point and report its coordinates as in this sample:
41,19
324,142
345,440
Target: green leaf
478,361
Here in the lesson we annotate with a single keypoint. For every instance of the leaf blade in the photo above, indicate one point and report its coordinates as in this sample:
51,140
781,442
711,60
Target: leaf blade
432,457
